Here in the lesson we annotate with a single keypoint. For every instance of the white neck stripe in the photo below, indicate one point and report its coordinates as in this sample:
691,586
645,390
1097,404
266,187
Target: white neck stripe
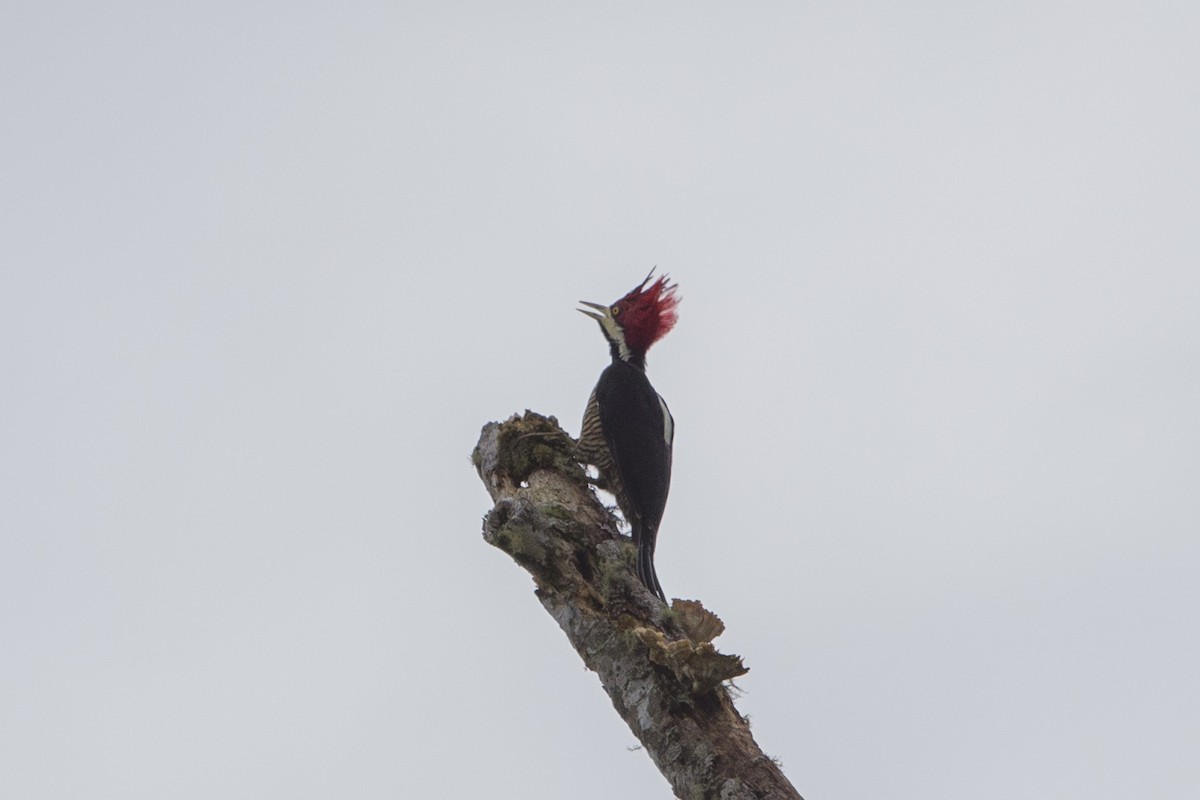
617,335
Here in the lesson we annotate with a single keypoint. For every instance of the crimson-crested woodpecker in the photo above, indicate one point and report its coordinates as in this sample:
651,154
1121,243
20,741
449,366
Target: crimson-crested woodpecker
628,430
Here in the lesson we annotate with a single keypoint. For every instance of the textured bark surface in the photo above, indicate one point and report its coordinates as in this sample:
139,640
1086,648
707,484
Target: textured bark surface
658,665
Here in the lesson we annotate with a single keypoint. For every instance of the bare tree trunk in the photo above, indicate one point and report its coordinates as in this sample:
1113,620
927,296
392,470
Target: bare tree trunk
658,666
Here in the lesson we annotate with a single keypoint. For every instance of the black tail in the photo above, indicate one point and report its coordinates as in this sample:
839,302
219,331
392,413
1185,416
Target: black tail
645,563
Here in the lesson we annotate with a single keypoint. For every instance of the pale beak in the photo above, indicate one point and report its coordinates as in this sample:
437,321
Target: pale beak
593,315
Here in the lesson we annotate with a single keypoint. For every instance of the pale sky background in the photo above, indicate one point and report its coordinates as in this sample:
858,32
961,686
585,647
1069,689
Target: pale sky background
268,268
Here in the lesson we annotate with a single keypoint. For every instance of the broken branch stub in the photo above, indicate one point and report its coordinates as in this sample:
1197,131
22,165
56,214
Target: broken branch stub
658,665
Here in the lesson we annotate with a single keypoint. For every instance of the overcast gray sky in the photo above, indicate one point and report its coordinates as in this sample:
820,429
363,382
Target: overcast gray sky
267,269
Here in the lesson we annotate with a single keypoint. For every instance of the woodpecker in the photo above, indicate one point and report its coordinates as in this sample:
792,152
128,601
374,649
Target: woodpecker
628,430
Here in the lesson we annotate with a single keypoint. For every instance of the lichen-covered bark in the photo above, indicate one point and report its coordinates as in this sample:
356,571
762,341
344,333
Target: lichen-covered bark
658,665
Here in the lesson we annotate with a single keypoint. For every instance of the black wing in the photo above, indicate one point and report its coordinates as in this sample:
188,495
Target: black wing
639,429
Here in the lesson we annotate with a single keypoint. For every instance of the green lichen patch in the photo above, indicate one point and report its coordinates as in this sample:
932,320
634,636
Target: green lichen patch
532,442
616,575
667,617
562,515
522,543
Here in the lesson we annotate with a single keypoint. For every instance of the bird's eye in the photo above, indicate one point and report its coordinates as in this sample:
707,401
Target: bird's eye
616,310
